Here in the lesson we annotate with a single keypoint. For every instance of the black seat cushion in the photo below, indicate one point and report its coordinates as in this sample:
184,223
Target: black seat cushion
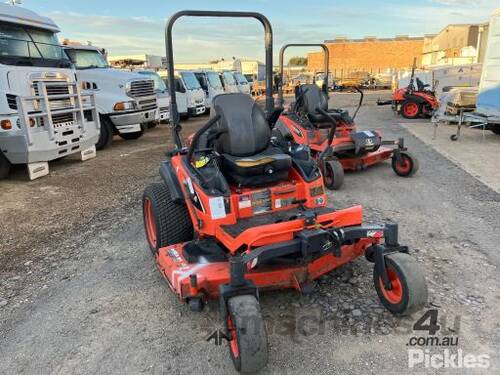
242,136
242,129
309,98
268,166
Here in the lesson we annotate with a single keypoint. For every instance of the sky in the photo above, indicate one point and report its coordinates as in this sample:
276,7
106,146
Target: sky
126,27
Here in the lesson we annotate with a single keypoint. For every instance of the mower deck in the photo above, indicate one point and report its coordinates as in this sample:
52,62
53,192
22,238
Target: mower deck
188,280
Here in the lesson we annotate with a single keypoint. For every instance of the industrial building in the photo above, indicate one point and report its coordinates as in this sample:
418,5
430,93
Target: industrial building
370,54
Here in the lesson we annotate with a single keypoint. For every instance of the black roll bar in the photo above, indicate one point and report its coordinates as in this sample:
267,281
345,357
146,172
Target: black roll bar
282,53
268,39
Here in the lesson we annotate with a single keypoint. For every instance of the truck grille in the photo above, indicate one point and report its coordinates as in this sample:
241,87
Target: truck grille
55,88
147,104
62,120
142,88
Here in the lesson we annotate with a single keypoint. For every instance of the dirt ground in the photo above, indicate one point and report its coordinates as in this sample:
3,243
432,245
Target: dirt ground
80,294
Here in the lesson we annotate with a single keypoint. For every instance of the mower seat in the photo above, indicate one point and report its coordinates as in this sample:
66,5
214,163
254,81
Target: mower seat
310,98
244,142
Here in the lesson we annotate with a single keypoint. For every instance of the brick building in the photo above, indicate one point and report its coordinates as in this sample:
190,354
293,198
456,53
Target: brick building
371,55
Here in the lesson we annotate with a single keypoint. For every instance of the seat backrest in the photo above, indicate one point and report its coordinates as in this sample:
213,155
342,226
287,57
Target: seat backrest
310,97
242,129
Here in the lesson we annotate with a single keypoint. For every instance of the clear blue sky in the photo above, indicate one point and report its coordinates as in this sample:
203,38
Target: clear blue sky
134,27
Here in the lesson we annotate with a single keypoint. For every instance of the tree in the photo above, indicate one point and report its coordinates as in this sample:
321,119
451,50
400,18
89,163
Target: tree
297,61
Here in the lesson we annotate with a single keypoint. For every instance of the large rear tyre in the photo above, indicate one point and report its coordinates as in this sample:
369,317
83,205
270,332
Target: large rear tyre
106,133
131,136
408,292
247,334
333,174
165,222
411,109
408,165
4,166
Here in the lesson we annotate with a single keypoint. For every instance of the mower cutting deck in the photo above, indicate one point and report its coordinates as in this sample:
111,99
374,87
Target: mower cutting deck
332,136
237,213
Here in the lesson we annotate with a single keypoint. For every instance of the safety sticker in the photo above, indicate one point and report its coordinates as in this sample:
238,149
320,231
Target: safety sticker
244,202
217,208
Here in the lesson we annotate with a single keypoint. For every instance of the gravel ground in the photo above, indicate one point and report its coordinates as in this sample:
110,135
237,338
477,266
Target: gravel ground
79,292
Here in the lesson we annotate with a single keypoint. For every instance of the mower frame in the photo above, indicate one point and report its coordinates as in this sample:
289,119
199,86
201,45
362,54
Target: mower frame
284,239
325,151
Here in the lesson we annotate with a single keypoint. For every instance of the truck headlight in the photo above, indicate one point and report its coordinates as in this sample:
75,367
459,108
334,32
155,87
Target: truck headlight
124,106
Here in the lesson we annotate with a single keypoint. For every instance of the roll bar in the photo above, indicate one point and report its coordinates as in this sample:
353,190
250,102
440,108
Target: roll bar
282,53
268,39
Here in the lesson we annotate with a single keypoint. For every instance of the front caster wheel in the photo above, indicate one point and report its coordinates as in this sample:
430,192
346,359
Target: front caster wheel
454,137
247,334
407,166
408,292
333,174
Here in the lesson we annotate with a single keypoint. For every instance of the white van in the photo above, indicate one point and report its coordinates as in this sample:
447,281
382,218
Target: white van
194,92
210,82
181,97
124,100
242,83
43,115
229,82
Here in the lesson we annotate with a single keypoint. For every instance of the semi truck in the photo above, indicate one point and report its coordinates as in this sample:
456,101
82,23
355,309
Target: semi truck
125,101
43,114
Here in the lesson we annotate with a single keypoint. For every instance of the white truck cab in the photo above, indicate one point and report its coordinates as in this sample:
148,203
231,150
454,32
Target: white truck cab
229,82
43,115
194,92
124,100
242,83
181,97
210,83
162,95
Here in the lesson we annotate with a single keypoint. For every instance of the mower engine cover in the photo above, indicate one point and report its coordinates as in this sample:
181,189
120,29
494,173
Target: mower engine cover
366,140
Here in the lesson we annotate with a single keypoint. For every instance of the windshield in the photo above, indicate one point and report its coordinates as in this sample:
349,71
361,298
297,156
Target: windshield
23,45
214,80
160,85
87,59
228,78
190,80
240,78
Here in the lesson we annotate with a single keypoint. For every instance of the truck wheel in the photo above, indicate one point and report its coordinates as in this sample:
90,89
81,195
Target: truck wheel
4,166
409,289
411,109
184,116
106,133
247,334
165,222
495,128
408,165
333,175
131,136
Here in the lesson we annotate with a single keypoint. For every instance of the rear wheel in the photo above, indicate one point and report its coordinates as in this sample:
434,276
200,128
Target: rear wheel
495,128
407,166
411,109
4,166
106,133
333,174
165,222
247,334
408,292
131,136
